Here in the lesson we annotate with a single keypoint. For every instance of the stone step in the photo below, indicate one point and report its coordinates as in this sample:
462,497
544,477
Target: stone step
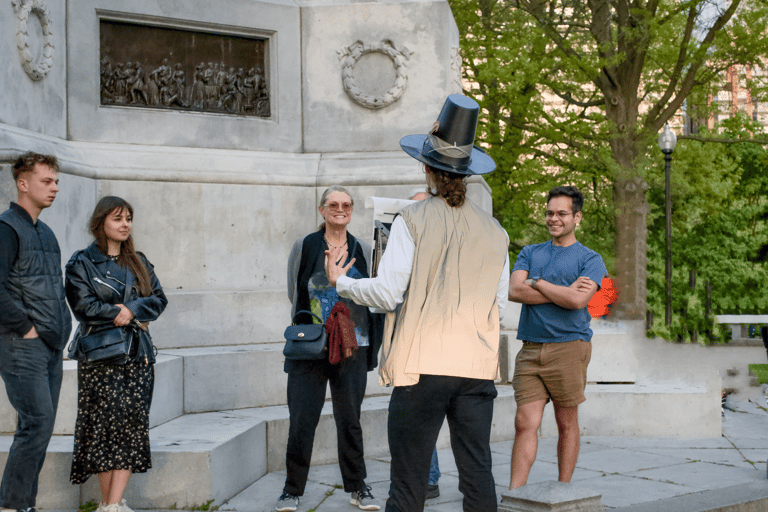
215,378
195,458
614,357
647,410
240,376
167,401
194,380
214,455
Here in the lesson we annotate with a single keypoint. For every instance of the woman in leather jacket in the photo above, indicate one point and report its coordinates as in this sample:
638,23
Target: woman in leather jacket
109,283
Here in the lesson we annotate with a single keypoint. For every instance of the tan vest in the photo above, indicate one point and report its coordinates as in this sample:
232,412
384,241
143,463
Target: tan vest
448,323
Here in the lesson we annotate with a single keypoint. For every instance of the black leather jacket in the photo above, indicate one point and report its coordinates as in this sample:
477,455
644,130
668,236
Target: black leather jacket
93,300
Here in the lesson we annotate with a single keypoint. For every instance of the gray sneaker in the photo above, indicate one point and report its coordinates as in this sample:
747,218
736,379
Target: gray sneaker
287,503
364,500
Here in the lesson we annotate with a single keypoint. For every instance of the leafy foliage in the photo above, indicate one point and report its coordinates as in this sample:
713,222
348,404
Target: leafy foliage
718,229
575,93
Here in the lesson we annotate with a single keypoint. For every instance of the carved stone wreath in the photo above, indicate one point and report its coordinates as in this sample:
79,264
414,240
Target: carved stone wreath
23,8
352,53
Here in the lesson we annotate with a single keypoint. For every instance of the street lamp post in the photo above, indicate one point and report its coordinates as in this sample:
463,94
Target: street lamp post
667,141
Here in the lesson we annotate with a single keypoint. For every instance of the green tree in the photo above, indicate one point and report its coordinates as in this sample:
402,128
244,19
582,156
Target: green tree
718,230
575,92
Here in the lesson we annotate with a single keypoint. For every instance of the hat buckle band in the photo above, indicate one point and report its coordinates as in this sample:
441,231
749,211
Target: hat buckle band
446,153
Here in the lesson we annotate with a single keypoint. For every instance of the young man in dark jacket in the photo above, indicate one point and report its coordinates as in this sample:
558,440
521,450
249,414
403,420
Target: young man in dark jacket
34,325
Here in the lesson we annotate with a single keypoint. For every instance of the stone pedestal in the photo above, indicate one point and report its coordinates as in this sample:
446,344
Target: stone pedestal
551,496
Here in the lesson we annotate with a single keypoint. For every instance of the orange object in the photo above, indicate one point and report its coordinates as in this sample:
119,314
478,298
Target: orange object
601,302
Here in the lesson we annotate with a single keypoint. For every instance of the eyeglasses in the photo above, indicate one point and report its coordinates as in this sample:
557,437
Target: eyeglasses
560,215
343,207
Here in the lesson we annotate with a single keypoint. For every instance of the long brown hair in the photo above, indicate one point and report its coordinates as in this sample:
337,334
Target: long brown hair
128,257
450,186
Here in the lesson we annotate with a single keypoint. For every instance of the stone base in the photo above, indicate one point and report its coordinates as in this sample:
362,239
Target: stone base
551,496
647,410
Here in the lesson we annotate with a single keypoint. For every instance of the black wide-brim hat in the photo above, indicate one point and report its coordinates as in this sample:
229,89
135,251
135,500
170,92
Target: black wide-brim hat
451,145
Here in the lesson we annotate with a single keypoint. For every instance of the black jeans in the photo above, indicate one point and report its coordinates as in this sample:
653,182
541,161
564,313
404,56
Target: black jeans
307,383
32,373
416,414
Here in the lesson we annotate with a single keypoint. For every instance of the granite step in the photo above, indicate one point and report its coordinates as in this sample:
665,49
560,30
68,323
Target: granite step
167,401
215,455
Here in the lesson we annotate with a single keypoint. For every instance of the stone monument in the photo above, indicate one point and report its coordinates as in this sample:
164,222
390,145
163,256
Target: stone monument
222,123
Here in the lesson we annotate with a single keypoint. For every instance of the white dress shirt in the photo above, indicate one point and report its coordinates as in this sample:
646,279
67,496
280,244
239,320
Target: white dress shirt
386,290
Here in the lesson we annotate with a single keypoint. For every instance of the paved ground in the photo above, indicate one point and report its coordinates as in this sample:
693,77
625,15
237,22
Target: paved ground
628,472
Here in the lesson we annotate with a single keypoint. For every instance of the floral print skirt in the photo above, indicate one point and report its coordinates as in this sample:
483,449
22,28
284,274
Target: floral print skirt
112,429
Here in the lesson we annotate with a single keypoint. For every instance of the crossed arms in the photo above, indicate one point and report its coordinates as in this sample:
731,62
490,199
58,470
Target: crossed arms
575,296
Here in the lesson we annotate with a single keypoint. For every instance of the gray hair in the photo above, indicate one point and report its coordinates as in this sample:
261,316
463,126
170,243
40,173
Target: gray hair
335,188
328,191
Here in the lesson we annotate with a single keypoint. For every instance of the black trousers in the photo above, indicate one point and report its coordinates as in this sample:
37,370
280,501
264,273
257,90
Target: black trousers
416,414
307,383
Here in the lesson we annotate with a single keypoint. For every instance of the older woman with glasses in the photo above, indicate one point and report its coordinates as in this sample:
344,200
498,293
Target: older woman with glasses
309,290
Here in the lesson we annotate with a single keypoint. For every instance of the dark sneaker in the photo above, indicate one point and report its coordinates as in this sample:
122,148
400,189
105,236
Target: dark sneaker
433,491
364,500
287,503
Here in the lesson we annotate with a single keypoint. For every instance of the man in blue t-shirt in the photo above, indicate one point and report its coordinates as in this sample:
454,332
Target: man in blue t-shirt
554,281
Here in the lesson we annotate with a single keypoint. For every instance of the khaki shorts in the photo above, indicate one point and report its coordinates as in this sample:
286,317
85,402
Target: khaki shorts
556,371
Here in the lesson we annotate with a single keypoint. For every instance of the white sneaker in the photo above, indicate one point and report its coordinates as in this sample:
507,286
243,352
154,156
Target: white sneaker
287,503
363,499
124,507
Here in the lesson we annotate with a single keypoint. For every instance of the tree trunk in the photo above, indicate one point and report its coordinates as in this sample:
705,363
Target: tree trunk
631,247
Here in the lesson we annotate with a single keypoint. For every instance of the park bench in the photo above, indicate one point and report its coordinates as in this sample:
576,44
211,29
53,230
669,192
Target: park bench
740,323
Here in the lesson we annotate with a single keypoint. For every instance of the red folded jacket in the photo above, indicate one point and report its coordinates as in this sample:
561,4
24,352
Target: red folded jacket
341,332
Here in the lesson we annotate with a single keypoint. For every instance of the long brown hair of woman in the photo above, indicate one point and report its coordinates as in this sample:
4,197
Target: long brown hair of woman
128,257
450,186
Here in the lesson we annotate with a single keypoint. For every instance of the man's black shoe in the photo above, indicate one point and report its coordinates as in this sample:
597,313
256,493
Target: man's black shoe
433,491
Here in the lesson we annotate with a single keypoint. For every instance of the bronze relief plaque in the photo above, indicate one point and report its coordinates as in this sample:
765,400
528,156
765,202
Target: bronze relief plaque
148,66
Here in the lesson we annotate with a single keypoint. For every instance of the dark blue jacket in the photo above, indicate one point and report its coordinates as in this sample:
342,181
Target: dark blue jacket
35,282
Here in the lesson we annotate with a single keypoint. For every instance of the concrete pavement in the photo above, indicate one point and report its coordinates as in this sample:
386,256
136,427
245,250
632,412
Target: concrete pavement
627,471
632,474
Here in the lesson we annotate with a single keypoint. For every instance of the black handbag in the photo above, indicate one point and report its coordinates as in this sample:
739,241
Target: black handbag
113,345
305,342
105,343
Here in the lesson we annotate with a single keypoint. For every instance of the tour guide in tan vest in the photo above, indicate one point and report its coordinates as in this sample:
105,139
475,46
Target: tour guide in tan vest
447,263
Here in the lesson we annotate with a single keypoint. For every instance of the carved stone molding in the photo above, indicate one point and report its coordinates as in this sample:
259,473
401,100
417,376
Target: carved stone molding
23,8
349,56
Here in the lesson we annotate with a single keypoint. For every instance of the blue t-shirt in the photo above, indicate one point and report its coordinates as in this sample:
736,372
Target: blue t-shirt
550,323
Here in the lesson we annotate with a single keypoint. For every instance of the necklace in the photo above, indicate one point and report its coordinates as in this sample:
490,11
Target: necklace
334,246
114,258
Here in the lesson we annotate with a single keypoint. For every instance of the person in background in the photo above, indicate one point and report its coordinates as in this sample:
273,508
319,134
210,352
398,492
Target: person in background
309,290
110,283
554,281
447,263
34,325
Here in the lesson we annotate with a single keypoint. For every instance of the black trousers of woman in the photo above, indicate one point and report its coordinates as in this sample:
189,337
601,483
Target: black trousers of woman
307,383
